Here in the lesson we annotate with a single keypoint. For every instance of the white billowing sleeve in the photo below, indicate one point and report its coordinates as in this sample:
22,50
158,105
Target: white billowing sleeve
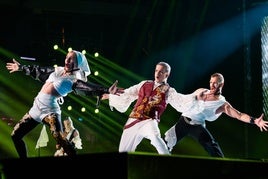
122,102
180,102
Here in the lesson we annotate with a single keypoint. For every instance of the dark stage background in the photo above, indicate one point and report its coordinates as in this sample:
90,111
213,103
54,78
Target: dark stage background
196,37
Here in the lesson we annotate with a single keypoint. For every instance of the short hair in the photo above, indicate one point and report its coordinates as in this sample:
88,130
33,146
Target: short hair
68,121
166,65
219,76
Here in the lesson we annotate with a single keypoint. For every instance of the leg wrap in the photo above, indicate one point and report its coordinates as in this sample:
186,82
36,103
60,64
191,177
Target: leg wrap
54,127
56,132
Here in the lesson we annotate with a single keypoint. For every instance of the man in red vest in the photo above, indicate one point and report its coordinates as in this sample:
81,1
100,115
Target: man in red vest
152,97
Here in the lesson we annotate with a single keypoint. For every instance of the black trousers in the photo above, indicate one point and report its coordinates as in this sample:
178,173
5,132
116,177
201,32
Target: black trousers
200,134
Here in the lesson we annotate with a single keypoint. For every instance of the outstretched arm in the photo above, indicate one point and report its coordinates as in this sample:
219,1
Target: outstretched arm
234,113
93,89
35,71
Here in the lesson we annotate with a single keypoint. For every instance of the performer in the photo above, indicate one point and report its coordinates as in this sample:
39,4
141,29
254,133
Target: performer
71,134
58,83
207,105
152,98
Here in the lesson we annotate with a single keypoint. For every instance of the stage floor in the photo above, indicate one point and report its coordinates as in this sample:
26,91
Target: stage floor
131,166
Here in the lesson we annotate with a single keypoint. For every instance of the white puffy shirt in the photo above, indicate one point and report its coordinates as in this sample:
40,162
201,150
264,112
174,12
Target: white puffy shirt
202,111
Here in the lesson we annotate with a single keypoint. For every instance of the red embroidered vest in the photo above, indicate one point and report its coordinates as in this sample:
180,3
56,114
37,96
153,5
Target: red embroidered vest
151,103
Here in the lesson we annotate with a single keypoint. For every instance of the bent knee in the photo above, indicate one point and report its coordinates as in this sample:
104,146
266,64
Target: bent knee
53,122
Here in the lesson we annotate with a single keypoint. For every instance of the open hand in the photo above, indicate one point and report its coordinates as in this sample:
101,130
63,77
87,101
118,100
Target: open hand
114,90
262,124
12,67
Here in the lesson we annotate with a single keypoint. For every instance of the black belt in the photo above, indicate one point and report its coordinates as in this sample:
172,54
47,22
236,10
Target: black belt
187,119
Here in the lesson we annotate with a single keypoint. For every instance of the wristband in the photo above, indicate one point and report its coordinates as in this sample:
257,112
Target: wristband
252,119
20,67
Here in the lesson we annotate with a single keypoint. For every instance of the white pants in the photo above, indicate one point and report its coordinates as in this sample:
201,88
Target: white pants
133,135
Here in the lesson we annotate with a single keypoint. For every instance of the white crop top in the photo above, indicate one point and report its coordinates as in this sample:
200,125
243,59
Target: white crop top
62,84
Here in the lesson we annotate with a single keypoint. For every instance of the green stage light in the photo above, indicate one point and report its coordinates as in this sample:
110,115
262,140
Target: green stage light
55,47
96,54
96,73
83,109
69,108
97,110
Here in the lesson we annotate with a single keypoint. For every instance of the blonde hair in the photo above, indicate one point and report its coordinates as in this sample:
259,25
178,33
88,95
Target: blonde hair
68,124
166,65
219,76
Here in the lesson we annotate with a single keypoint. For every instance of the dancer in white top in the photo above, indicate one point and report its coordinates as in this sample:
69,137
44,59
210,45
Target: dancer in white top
58,82
207,105
72,135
